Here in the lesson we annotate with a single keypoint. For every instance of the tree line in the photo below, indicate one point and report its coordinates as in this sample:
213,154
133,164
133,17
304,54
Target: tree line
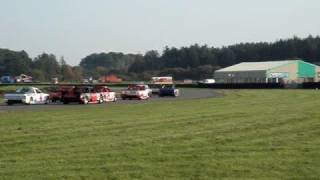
44,67
193,62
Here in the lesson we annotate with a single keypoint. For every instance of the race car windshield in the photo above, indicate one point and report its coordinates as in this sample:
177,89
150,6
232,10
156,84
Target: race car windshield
168,86
24,90
136,88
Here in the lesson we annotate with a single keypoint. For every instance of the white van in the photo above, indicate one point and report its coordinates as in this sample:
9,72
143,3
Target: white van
208,81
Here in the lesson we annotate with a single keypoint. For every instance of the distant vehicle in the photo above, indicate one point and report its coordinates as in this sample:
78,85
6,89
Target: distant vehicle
162,80
187,81
85,81
81,95
207,81
55,80
7,79
110,79
169,90
107,94
141,92
23,79
27,95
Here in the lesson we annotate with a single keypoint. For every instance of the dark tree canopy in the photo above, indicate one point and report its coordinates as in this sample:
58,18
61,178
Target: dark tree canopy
104,63
43,68
14,63
195,61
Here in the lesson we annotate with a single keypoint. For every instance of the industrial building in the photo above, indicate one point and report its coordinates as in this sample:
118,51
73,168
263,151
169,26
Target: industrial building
287,72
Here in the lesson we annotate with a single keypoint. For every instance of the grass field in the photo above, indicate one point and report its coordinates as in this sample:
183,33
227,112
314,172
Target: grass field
258,134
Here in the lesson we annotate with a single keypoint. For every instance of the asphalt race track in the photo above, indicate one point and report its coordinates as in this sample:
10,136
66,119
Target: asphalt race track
184,94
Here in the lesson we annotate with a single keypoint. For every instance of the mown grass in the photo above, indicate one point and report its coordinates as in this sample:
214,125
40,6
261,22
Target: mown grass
271,134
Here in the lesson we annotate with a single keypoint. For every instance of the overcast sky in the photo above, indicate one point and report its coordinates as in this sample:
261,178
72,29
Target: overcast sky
76,28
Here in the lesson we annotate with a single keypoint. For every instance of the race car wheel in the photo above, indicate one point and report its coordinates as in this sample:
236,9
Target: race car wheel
9,103
47,101
86,100
100,101
30,101
176,94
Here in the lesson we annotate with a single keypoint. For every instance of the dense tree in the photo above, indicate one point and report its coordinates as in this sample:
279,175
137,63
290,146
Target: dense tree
77,73
194,62
14,63
190,59
47,63
152,60
43,68
96,65
67,73
38,75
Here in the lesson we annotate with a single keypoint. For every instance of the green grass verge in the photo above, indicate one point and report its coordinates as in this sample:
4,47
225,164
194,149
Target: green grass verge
258,134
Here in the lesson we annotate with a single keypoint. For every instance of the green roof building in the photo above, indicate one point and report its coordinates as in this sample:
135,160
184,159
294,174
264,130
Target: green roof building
291,71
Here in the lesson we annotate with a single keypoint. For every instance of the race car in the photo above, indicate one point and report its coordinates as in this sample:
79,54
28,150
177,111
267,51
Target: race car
27,95
82,95
107,94
55,93
169,90
141,92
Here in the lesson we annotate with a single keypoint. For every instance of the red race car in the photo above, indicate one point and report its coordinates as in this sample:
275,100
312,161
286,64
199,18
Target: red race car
82,95
56,93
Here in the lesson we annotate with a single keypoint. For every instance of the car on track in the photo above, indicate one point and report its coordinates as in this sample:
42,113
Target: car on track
55,93
139,91
107,94
169,90
27,95
55,96
81,95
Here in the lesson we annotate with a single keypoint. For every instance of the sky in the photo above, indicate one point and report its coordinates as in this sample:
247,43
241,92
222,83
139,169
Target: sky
77,28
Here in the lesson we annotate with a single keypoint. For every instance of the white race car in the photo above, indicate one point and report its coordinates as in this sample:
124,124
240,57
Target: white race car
137,91
107,94
27,95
